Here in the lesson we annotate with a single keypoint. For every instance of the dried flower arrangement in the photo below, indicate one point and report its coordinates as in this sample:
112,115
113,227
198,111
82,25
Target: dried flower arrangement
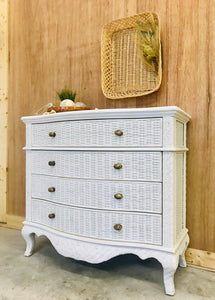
149,42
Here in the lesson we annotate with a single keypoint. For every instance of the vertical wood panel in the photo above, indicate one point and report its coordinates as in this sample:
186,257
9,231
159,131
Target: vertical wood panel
56,44
3,106
158,98
188,88
209,208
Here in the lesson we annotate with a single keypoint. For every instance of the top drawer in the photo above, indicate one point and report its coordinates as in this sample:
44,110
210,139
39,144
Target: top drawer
95,133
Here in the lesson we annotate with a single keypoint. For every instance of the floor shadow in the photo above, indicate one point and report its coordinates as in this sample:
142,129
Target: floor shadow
128,265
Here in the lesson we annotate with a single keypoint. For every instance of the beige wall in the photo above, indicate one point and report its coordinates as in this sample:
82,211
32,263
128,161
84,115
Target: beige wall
56,44
3,106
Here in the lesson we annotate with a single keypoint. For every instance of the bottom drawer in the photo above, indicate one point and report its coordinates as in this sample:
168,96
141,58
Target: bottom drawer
135,227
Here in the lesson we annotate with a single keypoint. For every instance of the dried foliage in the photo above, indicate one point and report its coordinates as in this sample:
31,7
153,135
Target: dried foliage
149,42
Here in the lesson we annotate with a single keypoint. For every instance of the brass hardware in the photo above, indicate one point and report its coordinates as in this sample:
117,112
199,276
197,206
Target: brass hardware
118,132
117,166
52,134
118,196
51,189
117,226
51,163
51,216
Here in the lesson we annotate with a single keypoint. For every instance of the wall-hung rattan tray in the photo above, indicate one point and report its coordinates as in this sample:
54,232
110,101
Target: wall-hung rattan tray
124,73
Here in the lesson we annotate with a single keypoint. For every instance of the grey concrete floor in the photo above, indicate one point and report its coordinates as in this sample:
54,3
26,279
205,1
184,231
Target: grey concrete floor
48,275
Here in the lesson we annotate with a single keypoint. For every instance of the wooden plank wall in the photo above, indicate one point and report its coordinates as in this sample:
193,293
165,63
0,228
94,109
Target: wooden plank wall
3,107
56,44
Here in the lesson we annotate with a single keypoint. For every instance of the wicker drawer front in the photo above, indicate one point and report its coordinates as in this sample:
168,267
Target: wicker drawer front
124,195
136,133
98,165
136,227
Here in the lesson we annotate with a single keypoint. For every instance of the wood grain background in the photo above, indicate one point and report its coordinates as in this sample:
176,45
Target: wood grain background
56,44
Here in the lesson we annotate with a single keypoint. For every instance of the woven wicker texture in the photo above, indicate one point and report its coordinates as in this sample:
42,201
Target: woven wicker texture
137,196
99,165
138,132
180,134
137,227
180,208
124,73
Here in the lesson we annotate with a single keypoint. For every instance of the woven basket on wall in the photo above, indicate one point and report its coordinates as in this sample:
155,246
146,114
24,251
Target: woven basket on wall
124,73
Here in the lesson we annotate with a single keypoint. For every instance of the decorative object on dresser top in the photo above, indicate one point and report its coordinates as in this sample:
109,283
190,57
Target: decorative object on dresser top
102,183
68,103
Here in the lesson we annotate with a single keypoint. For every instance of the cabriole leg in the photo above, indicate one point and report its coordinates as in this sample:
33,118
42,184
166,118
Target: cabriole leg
30,241
169,267
182,260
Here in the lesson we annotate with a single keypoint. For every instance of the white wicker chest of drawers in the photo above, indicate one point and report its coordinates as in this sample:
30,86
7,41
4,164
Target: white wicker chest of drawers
103,183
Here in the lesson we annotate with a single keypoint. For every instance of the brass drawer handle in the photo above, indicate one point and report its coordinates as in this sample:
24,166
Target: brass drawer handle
118,132
52,163
52,134
118,196
117,166
51,216
117,227
51,189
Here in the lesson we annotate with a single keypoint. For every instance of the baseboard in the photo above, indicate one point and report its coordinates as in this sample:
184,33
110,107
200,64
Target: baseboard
14,222
3,218
200,259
